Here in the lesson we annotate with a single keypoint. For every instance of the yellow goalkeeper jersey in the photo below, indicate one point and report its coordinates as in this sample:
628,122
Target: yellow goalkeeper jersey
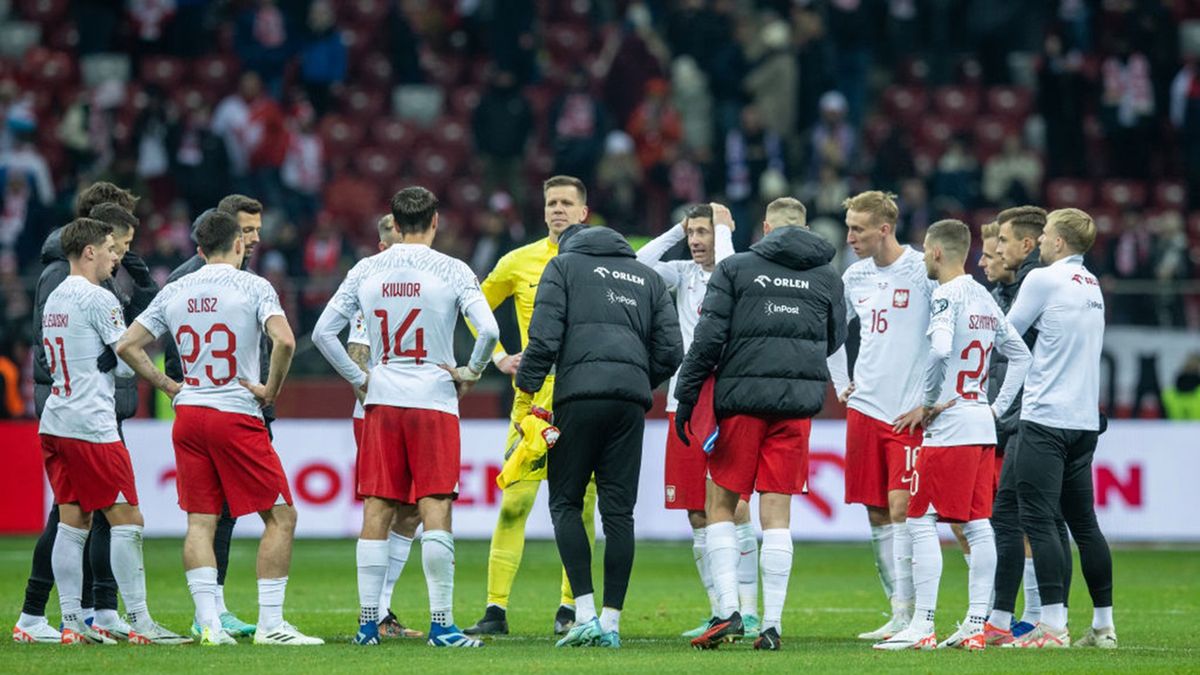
517,275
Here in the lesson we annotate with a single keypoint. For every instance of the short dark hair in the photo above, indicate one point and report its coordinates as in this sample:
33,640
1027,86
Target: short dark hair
83,232
111,213
1027,222
566,181
413,209
216,231
103,192
952,235
699,211
235,204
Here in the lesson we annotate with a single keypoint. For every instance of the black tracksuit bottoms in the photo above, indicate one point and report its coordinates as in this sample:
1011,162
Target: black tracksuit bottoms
601,437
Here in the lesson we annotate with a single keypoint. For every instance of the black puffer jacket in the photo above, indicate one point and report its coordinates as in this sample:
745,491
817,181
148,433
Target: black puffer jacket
771,317
56,270
603,320
1006,295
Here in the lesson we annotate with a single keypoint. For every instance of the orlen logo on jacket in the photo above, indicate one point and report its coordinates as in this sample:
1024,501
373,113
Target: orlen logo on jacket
784,282
605,273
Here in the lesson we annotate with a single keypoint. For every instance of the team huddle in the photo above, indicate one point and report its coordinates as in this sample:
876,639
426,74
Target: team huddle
950,418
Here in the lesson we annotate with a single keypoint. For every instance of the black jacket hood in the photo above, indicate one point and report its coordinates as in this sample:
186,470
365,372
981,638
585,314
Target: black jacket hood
595,240
795,247
1030,263
52,249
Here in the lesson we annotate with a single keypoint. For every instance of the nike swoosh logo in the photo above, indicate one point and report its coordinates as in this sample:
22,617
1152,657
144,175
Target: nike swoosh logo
533,285
863,300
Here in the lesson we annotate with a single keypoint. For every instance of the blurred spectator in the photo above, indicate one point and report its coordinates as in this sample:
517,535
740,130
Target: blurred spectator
833,140
17,306
231,121
893,160
1182,401
691,97
825,196
772,79
23,219
153,158
956,177
12,355
511,37
261,39
1127,105
1132,258
199,160
303,171
186,32
726,74
656,129
693,29
101,18
1185,116
150,18
323,58
1014,176
403,42
1062,100
814,59
577,127
618,180
25,160
495,233
502,123
916,213
852,30
1172,264
750,152
326,258
686,178
632,56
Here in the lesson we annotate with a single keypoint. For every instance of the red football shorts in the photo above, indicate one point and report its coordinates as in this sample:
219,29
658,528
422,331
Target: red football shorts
90,474
359,423
358,432
225,458
760,454
996,474
955,480
685,473
408,453
878,460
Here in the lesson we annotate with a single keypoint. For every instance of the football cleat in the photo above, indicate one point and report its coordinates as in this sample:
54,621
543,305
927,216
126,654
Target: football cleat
1020,628
897,623
995,636
699,630
79,633
285,634
909,638
118,631
1100,638
964,638
391,627
1042,637
40,632
723,630
215,637
582,635
564,619
235,626
750,625
157,635
450,636
610,640
368,634
768,641
494,622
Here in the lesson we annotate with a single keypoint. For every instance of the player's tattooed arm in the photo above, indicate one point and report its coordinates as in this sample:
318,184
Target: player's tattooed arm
361,355
132,350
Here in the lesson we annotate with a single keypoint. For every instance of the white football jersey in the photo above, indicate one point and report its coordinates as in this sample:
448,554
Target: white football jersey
215,316
358,336
410,297
965,311
1063,301
687,279
79,320
892,305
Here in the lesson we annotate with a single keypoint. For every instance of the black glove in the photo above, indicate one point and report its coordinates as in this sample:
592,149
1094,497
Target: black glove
138,270
107,360
683,415
1103,424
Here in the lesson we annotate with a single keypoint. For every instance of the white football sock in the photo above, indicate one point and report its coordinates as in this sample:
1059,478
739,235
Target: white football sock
776,570
967,558
882,540
1055,615
219,597
202,583
106,618
747,569
66,559
926,565
610,620
698,545
1000,619
30,621
270,603
585,608
371,556
437,557
722,554
1033,595
399,547
982,575
902,550
130,573
1102,617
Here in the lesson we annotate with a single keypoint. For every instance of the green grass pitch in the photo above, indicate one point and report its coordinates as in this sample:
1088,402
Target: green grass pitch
833,595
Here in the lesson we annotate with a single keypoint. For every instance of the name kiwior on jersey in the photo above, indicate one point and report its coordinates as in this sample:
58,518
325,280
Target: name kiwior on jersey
892,305
215,316
79,321
410,297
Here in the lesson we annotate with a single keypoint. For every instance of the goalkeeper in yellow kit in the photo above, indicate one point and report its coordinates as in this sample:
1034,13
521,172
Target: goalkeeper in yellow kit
517,275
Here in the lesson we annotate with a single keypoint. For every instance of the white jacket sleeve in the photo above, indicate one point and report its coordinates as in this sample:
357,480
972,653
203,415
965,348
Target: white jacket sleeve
325,337
1010,344
651,254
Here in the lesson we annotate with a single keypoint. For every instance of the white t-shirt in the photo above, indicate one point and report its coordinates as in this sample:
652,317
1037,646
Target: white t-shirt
892,305
358,336
965,327
1063,301
215,316
689,281
410,297
79,321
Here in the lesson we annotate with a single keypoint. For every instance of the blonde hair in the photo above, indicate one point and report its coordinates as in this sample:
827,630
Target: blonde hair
1075,226
989,230
880,205
787,212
